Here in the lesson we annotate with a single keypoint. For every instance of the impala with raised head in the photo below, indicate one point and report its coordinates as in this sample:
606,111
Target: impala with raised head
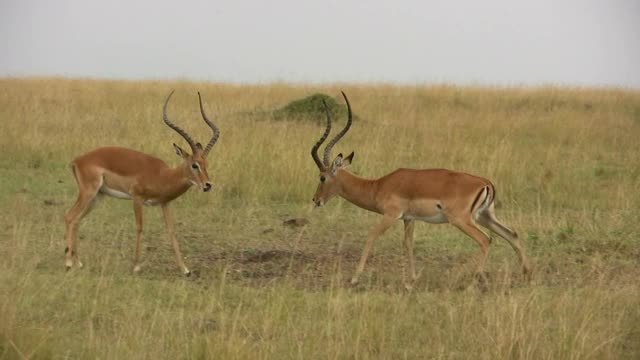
129,174
431,195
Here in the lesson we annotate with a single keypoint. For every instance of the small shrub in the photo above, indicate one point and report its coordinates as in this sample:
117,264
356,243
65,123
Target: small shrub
311,108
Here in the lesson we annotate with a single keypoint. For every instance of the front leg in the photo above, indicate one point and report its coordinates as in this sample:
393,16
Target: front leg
137,209
376,231
168,220
408,246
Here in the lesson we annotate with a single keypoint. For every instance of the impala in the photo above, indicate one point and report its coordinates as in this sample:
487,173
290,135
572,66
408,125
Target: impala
128,174
431,195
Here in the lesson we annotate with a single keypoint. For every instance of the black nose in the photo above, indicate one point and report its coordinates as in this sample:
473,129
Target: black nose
207,187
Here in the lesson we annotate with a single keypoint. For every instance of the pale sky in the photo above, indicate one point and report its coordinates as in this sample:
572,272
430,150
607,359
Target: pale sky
486,42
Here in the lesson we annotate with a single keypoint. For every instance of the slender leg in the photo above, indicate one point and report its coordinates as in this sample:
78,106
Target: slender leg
376,231
87,193
408,246
489,221
72,218
138,211
471,229
168,220
517,246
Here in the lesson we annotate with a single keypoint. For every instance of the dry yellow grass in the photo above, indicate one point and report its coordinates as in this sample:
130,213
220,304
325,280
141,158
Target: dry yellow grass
564,161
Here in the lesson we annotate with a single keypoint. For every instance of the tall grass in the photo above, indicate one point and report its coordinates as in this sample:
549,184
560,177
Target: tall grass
564,161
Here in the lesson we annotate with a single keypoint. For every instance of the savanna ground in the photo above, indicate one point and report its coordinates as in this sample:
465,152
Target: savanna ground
565,163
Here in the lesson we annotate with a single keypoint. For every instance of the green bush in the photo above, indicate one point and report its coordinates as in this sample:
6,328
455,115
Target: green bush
311,108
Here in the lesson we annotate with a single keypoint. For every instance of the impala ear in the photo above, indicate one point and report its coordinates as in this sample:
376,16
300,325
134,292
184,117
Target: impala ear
183,154
338,162
347,161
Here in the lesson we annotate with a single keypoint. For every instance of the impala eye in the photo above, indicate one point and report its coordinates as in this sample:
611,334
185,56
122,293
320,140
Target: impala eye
195,166
322,178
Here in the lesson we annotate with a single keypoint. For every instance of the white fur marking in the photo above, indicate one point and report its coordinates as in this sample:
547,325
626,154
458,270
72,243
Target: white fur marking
439,218
151,202
115,193
483,206
485,203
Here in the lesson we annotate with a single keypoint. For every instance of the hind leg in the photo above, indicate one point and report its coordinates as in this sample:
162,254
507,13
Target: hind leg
488,219
72,218
469,227
518,247
87,193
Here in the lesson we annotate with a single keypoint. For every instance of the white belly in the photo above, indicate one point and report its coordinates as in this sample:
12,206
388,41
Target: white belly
151,202
123,195
115,193
438,218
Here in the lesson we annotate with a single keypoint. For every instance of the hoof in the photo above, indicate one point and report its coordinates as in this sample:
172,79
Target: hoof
187,273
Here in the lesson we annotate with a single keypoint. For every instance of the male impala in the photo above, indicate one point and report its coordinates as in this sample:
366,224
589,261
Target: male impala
129,174
432,195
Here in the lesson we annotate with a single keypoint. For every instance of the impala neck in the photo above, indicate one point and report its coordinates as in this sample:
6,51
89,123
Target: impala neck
357,190
179,180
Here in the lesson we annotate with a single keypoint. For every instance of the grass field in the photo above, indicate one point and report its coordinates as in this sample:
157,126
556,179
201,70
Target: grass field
565,162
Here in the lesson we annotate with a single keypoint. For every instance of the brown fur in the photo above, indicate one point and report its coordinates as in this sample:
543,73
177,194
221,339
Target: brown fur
431,195
143,178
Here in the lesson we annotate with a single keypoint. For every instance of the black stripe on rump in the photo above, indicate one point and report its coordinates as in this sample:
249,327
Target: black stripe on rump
493,192
475,201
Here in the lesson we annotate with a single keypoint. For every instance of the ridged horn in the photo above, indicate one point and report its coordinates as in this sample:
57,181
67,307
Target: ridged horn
314,149
183,133
327,150
216,131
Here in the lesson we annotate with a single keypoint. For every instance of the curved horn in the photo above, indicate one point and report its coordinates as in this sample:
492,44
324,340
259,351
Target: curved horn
183,133
314,149
327,150
216,131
